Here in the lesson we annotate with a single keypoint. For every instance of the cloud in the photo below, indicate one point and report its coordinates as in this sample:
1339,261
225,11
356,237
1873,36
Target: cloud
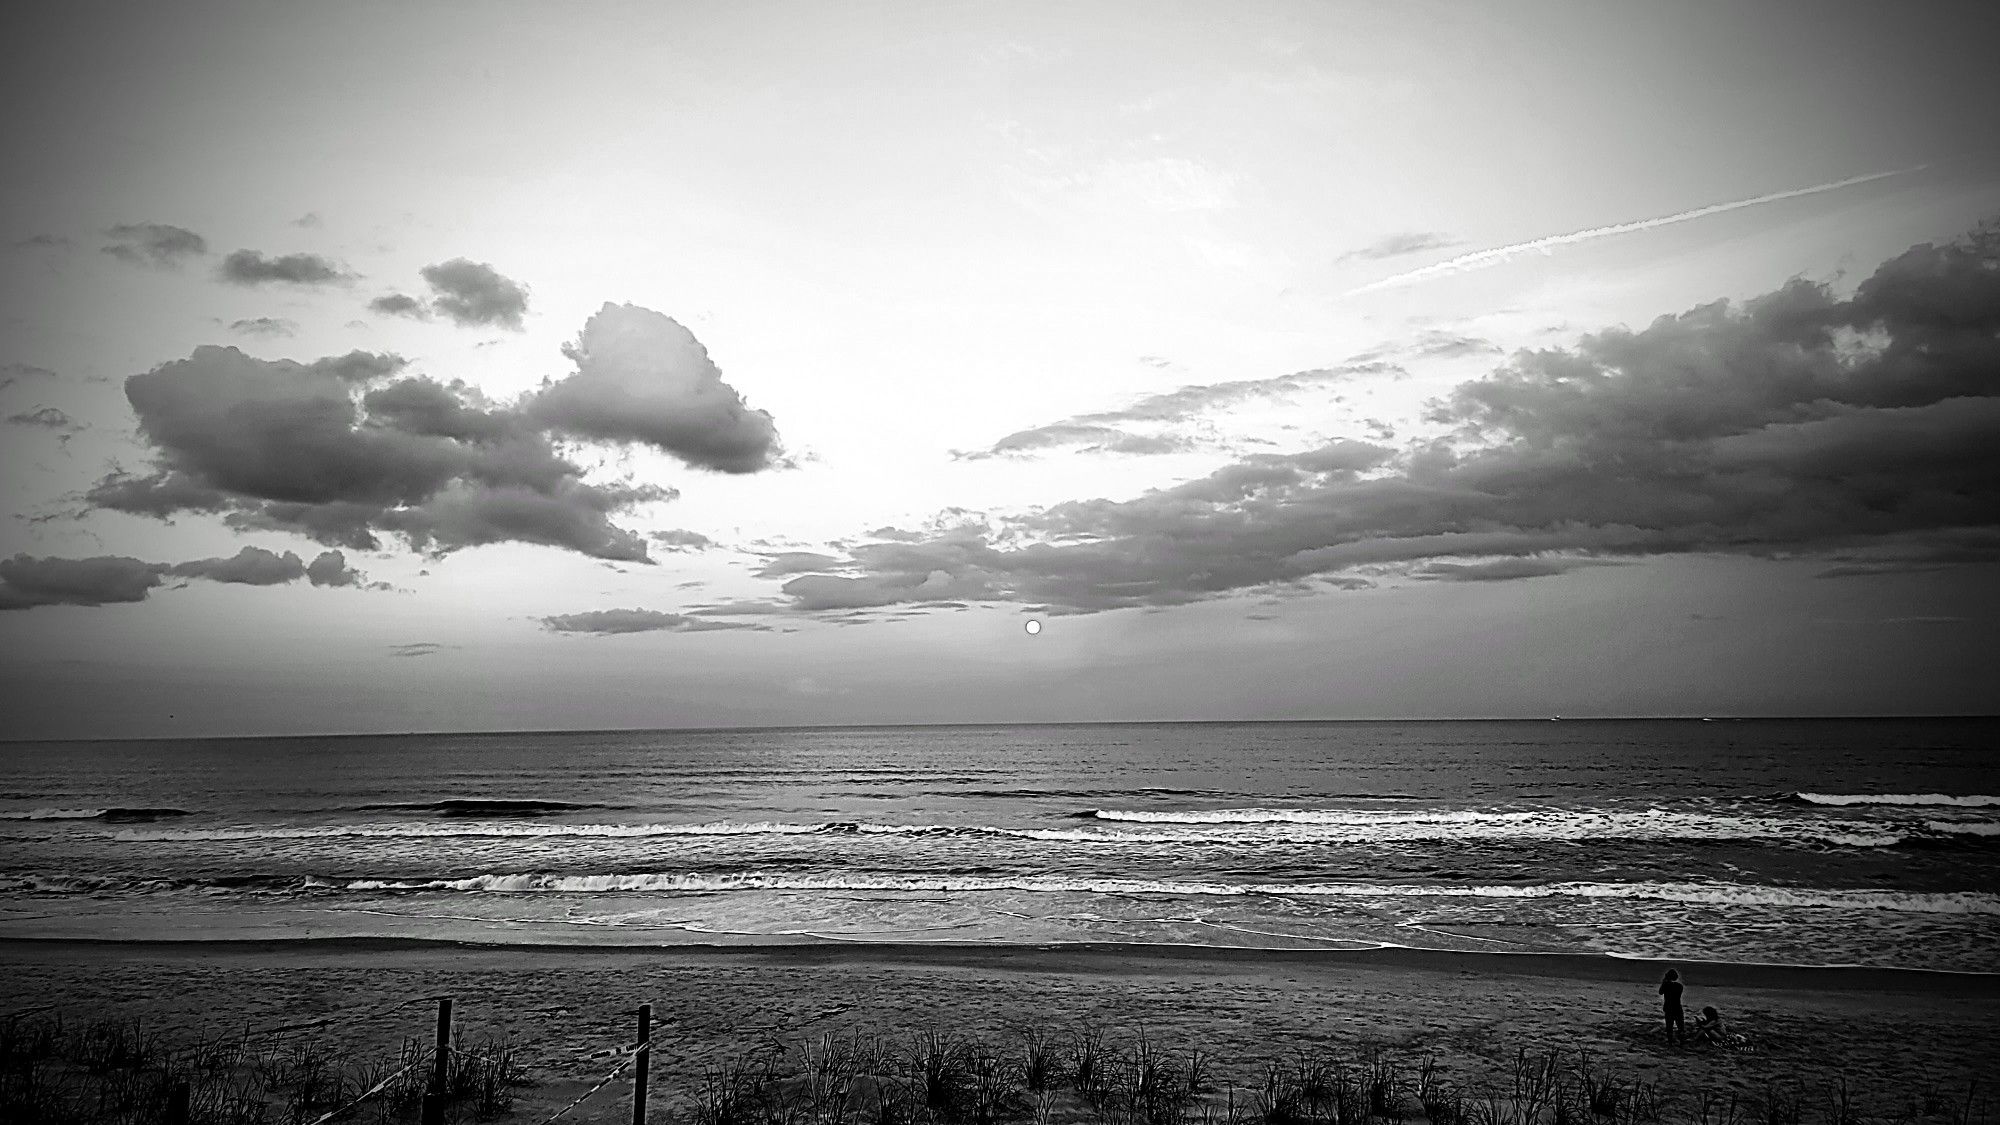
333,451
248,267
1795,425
48,418
154,244
474,293
40,241
26,582
1481,259
1504,570
678,539
310,221
1103,432
606,622
1397,245
13,373
330,568
643,378
401,304
263,326
251,566
418,648
796,562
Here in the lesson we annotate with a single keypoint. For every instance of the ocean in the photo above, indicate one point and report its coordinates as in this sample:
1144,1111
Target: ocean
1823,842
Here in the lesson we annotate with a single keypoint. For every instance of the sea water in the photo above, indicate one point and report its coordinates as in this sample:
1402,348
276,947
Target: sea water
1835,842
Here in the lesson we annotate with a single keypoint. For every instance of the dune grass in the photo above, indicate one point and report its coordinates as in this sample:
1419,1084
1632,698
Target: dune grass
55,1071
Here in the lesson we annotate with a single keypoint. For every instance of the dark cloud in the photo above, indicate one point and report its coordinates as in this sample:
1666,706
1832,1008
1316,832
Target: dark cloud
263,326
1397,245
331,451
1796,425
26,582
1104,431
40,241
248,267
418,648
251,566
605,622
154,244
401,304
329,568
678,539
310,221
1503,570
474,293
641,377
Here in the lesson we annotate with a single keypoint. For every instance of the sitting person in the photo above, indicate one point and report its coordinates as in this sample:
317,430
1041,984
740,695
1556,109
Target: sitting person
1708,1027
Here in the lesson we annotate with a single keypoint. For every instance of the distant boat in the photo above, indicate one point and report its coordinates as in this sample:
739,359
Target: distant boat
1555,718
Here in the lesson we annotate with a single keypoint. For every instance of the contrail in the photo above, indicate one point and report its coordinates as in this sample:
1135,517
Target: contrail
1479,259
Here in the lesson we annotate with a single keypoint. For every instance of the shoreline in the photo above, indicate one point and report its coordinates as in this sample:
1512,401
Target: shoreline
1101,958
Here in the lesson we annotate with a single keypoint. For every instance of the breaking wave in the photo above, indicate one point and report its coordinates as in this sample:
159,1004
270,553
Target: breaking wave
113,815
1944,799
472,807
1713,894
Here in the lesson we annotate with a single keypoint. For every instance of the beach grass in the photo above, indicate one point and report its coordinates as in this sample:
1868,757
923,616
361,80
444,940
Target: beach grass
60,1071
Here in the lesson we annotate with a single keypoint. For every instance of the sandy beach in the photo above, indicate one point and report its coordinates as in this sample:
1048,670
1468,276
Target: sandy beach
1893,1035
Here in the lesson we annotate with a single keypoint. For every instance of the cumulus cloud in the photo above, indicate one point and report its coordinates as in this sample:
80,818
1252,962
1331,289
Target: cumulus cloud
474,293
154,244
263,326
26,582
1397,245
334,451
1796,425
248,267
1105,432
796,562
401,304
606,622
329,568
251,566
643,378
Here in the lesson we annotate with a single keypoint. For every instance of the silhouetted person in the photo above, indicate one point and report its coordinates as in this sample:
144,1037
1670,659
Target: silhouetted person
1670,1002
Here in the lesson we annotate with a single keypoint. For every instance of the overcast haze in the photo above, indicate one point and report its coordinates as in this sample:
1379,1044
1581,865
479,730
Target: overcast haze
452,367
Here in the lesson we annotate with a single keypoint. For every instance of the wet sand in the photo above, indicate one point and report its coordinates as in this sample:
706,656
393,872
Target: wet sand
1893,1035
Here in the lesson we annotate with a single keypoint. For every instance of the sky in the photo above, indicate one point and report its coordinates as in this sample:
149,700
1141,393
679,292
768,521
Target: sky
522,366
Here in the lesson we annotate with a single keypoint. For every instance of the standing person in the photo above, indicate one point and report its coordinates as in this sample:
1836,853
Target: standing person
1670,1002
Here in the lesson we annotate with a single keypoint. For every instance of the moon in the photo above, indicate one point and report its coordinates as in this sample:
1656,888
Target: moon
1033,626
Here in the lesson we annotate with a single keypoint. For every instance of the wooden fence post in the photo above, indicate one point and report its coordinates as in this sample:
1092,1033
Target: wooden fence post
435,1097
640,1068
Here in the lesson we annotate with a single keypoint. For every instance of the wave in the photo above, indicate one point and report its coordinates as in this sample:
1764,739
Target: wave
1980,828
113,815
469,807
1224,827
1713,894
1945,799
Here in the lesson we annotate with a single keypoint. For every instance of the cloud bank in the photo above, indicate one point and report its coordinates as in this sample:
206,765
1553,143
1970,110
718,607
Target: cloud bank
608,622
27,582
1798,424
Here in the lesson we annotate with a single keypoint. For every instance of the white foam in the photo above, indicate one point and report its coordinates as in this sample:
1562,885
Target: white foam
1712,894
56,814
1977,801
1964,827
428,830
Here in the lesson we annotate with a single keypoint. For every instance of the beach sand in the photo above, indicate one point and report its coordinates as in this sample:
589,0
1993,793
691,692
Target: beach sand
1893,1035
